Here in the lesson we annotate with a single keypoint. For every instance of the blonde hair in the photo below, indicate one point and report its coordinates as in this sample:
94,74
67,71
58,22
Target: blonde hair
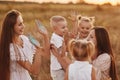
80,49
54,20
91,20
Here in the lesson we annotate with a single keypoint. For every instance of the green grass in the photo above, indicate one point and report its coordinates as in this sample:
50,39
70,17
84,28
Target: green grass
107,16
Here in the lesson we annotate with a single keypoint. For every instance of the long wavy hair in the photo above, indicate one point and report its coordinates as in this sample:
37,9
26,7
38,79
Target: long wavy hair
104,46
5,40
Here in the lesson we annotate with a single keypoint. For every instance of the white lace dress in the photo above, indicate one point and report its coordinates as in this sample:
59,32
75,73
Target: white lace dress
102,66
26,53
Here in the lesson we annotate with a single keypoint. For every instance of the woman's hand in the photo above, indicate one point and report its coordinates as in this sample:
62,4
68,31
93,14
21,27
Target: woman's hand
41,29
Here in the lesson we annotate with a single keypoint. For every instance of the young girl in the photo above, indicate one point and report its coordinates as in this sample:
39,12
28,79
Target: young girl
82,26
103,60
80,69
16,51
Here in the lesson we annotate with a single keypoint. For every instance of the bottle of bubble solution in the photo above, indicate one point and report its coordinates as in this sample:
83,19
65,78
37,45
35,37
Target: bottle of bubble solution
33,40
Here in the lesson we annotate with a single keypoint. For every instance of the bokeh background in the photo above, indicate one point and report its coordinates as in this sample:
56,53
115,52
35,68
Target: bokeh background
106,14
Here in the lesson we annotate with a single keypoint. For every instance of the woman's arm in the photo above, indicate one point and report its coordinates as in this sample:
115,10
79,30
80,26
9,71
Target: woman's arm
46,42
93,74
66,74
33,68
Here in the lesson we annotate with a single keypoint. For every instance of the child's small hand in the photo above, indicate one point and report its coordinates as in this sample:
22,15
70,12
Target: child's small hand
63,49
73,16
54,50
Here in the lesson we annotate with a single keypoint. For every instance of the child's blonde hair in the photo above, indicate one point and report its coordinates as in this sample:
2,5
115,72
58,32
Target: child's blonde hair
80,49
54,20
91,20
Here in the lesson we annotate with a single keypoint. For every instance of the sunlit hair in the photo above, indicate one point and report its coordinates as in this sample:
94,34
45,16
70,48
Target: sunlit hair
90,20
5,40
81,49
54,20
104,46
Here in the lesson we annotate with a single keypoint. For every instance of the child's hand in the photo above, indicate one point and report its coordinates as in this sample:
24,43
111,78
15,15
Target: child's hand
54,50
73,16
63,49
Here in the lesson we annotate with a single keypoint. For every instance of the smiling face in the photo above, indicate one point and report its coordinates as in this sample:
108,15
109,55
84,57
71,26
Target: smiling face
84,29
19,26
61,28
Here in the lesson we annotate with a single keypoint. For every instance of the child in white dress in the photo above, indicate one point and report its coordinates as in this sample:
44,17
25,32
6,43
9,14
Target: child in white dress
80,69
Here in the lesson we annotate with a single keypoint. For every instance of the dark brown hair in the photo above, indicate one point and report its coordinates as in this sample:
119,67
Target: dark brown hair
5,40
104,46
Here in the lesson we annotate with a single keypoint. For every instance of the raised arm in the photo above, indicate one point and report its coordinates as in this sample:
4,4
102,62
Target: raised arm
62,59
46,41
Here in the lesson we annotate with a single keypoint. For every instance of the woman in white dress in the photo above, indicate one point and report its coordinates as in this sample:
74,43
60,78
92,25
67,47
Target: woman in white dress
16,51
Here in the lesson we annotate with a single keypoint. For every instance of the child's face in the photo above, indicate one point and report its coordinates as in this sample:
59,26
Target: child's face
19,26
84,29
61,28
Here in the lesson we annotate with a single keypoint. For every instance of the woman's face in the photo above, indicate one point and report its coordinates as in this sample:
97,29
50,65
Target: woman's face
92,37
19,26
84,28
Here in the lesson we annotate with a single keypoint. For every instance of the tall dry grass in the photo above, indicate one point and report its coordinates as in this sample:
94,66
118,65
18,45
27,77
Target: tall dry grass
107,16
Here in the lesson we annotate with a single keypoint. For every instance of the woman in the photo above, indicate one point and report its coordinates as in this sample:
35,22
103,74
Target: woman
103,60
16,51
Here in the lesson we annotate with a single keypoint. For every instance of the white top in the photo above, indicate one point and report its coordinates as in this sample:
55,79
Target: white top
80,70
57,41
17,72
102,66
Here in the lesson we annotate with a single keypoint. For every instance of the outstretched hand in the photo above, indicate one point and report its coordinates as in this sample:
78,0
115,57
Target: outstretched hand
41,29
73,16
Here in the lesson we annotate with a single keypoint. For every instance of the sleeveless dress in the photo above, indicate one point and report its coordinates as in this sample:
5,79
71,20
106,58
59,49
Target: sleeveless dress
26,53
80,70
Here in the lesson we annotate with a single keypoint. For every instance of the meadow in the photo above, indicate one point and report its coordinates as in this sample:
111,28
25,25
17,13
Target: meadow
106,16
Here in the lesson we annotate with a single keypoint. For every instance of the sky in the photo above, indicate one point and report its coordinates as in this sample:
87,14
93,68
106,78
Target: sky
100,2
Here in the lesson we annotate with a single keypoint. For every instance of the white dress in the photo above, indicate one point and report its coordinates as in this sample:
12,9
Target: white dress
80,70
26,53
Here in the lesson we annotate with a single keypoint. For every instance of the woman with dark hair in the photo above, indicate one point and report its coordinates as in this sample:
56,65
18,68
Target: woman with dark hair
16,51
103,60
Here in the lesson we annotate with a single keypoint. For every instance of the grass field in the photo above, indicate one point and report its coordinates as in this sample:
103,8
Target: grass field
106,15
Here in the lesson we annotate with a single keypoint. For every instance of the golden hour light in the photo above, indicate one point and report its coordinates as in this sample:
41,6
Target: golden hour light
99,2
35,36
